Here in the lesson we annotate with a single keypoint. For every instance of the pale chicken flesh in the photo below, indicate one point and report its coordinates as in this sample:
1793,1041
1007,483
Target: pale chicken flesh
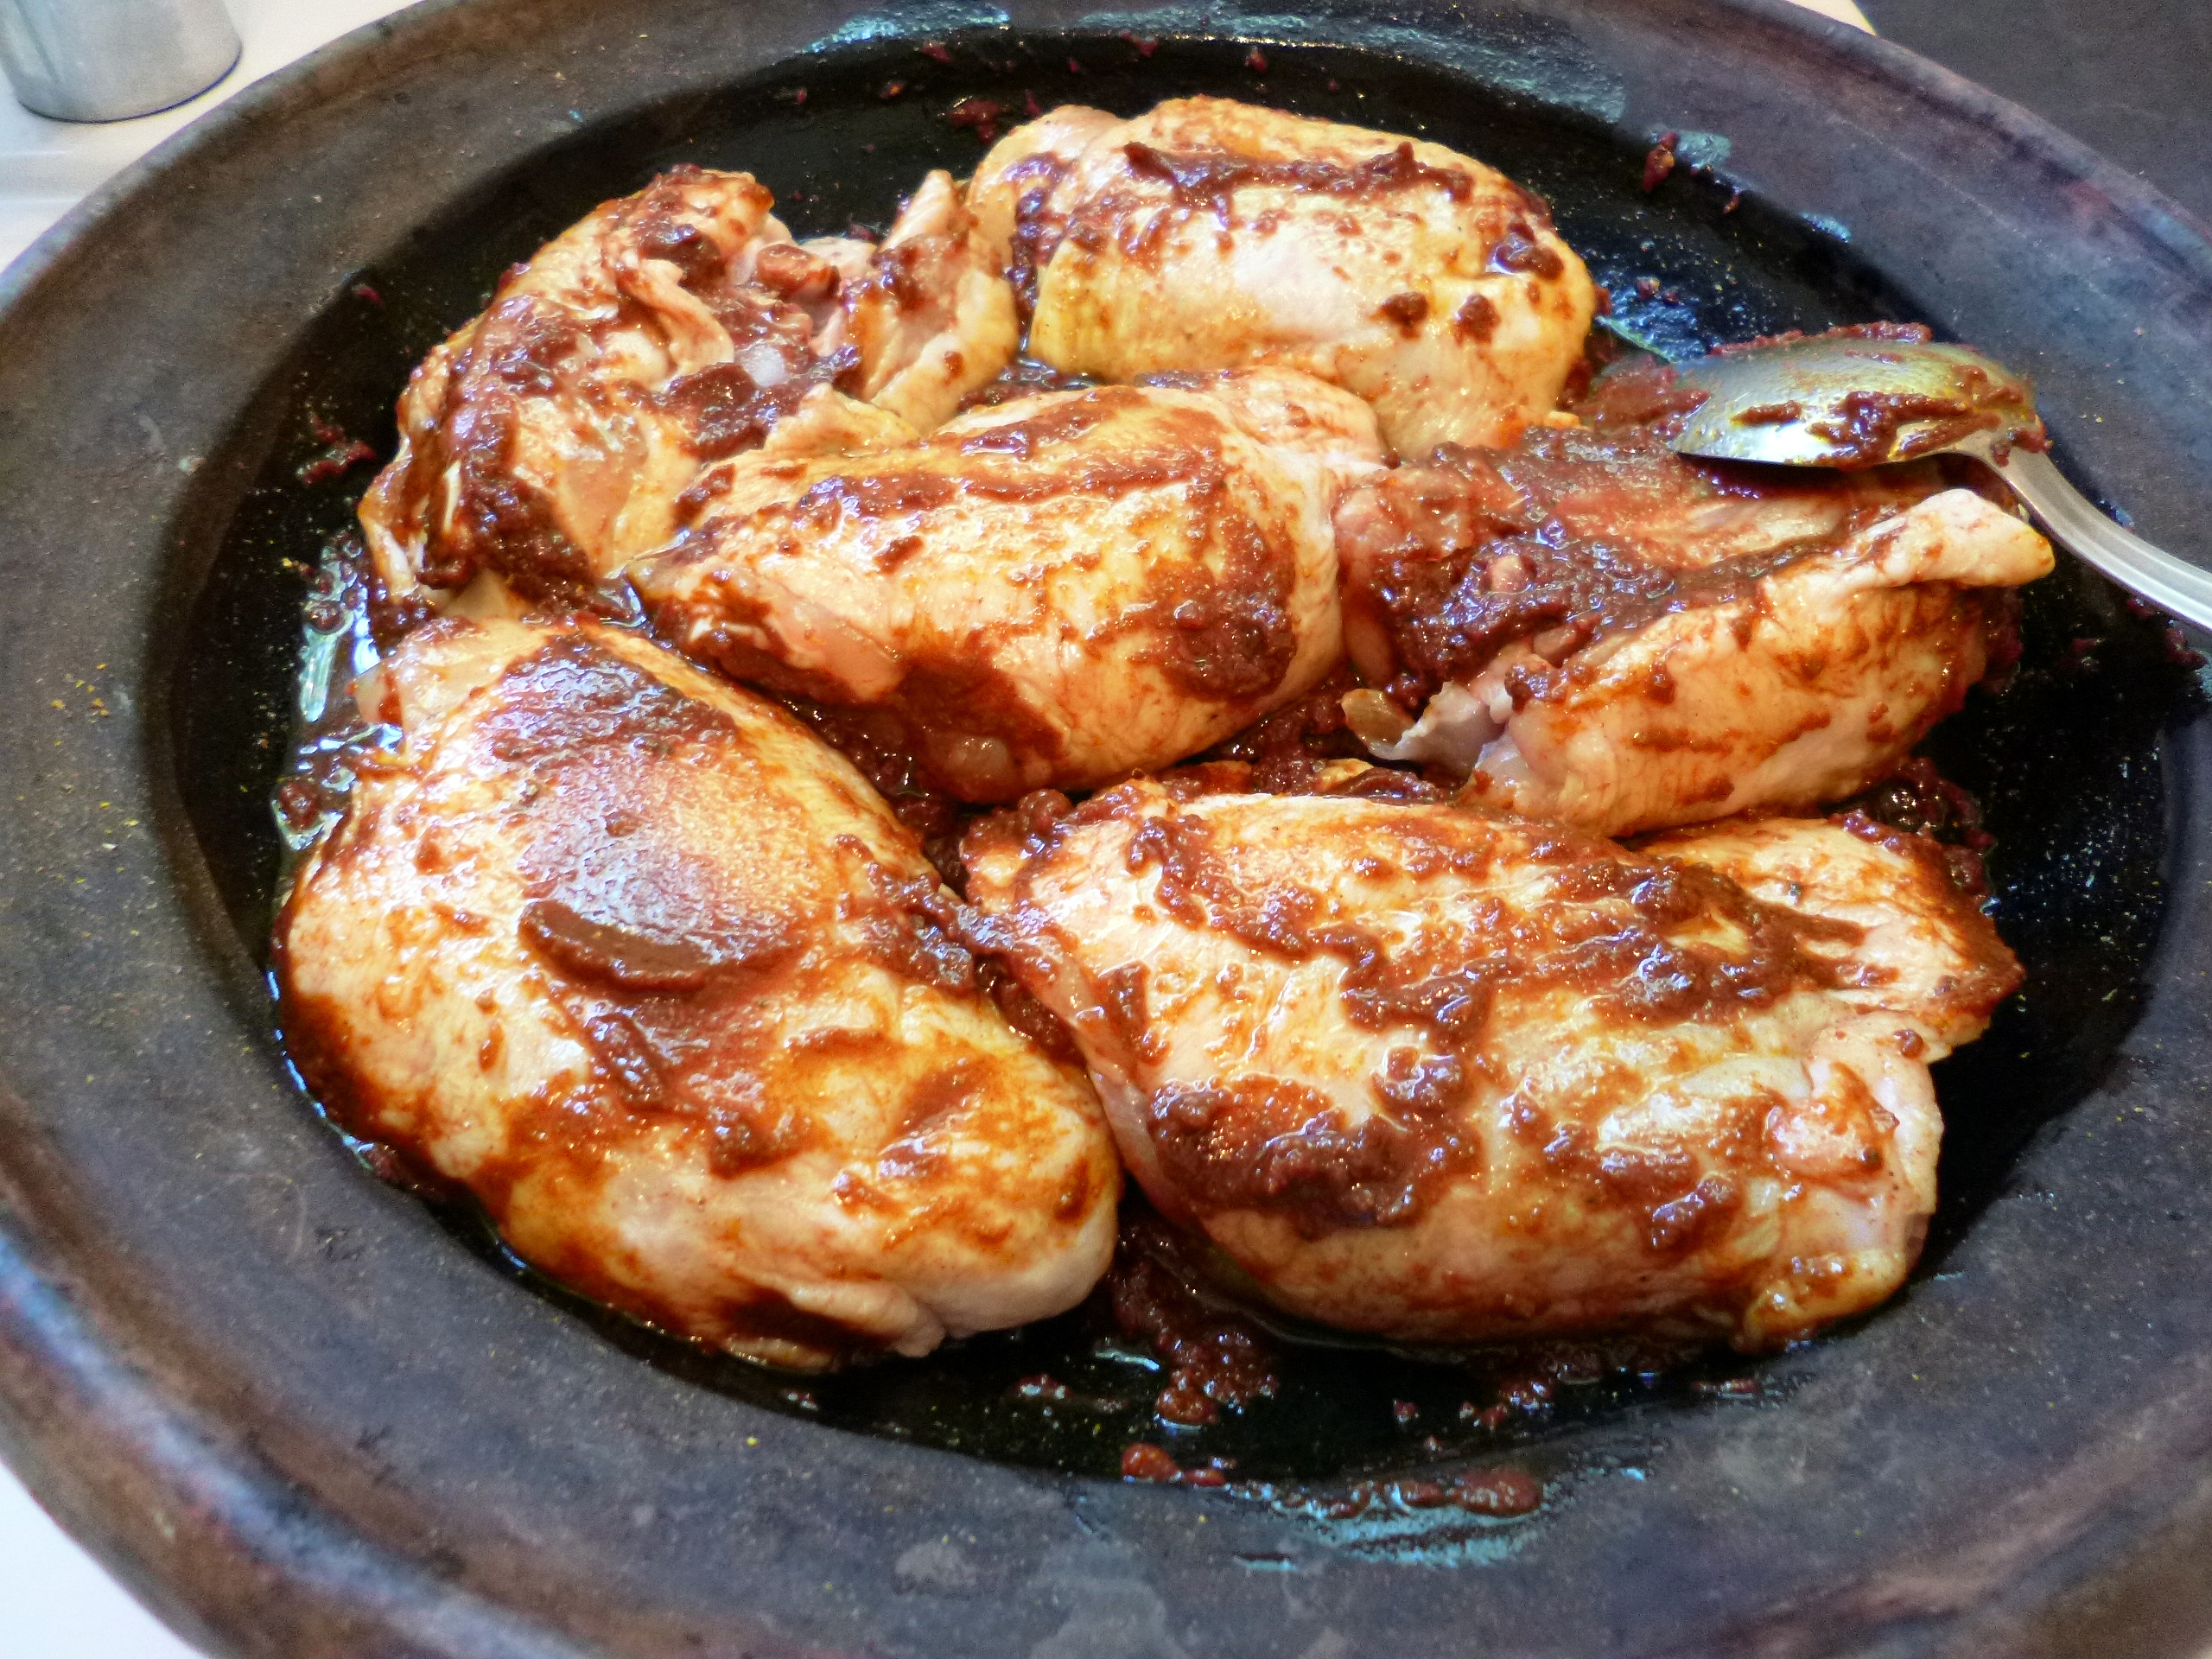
550,441
1440,1075
628,955
1593,630
933,317
1051,591
1208,233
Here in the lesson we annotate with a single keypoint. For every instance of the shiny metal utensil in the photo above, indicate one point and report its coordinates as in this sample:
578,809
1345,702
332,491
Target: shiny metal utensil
104,60
1852,401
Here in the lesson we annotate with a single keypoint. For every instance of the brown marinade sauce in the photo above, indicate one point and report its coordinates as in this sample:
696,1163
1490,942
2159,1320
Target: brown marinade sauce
1614,930
1222,631
1519,252
1037,231
877,742
1229,634
1209,182
496,519
1475,320
607,950
1868,427
1264,1143
525,348
1481,558
1215,1360
669,973
1286,751
1405,312
1187,451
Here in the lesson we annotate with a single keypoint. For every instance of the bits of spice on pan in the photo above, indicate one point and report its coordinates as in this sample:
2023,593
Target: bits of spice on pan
341,452
1497,1492
1141,1460
981,115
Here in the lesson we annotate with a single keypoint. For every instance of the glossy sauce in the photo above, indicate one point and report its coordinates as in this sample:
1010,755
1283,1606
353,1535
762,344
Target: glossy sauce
1626,935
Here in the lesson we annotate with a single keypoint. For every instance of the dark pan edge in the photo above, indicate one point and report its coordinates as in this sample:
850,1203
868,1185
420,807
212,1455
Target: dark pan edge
236,1558
2164,219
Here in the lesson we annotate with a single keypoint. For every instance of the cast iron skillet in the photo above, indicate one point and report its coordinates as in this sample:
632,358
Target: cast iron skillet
284,1402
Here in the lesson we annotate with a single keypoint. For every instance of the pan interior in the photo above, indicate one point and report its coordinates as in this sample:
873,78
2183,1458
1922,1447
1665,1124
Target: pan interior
2066,760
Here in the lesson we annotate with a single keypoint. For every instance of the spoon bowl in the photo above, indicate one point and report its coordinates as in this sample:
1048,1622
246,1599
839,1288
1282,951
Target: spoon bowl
1863,397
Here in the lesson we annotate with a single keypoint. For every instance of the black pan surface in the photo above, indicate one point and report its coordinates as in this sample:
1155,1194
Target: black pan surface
287,1401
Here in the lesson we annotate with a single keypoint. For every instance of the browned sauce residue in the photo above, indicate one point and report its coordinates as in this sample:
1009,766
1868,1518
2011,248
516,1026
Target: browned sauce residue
606,950
1209,181
1473,553
1626,935
1869,427
1214,1361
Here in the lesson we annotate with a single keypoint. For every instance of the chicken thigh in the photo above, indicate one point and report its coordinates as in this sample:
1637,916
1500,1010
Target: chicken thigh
1053,591
629,956
548,442
1439,1075
1597,631
1212,234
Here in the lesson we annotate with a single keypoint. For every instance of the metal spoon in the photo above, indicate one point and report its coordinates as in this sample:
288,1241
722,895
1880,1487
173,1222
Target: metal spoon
1848,402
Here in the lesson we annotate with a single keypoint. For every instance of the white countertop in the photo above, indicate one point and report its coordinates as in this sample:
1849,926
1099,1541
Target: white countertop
47,166
55,1601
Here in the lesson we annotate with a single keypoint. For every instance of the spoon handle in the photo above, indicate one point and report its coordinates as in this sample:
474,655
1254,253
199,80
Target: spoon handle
2170,583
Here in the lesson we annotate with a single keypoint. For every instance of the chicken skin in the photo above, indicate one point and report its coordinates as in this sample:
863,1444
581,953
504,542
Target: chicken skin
549,441
1597,631
1443,1076
629,956
1051,591
1209,234
932,316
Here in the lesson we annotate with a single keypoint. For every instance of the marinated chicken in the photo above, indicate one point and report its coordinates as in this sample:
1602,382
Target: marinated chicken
1440,1075
549,439
1051,591
1595,630
614,946
1211,234
625,954
933,317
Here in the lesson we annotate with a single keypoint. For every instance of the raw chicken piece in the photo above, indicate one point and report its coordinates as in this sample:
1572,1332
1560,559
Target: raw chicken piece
549,441
1438,1075
1051,591
1921,949
1606,634
1011,193
631,957
934,318
1214,234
